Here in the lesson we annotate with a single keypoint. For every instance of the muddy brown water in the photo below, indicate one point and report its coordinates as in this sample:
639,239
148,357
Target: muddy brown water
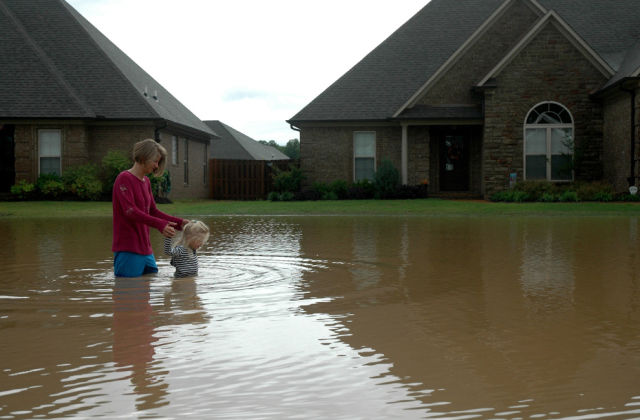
327,317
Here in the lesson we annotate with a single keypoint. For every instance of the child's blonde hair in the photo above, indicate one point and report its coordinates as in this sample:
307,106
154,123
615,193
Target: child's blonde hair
189,231
148,149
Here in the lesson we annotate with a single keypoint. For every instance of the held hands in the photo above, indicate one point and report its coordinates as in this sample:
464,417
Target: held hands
169,230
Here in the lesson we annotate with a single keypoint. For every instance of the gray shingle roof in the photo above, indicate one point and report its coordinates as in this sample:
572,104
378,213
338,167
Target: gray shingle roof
381,83
55,64
233,144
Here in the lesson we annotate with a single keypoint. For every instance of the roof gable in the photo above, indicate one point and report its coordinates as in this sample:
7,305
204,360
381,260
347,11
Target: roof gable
392,77
552,18
377,86
466,46
88,68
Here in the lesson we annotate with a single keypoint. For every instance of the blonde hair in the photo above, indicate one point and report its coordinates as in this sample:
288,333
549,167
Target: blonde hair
148,149
192,229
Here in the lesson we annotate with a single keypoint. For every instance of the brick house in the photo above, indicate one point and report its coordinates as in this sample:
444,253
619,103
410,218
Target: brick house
68,95
470,95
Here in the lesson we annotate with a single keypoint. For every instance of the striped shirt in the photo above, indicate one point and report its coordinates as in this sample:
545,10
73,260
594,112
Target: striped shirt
185,260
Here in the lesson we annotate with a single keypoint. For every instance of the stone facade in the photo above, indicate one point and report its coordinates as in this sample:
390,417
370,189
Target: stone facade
454,87
550,68
617,140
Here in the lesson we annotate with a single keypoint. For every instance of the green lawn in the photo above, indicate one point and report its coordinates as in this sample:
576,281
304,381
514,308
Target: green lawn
425,207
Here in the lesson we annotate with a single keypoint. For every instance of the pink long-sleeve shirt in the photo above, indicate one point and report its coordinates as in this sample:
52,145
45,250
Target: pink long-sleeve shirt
134,211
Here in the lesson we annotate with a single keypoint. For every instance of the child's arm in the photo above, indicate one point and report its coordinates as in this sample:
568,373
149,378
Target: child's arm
167,246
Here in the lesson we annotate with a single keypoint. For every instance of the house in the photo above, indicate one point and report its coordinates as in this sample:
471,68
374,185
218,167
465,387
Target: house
68,96
232,144
472,95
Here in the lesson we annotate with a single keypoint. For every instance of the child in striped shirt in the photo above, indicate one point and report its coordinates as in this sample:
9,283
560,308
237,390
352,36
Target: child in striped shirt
184,246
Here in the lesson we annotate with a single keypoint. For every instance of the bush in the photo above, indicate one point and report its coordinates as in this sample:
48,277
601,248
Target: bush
50,186
112,164
283,196
548,198
160,185
535,189
23,190
412,191
361,190
386,180
628,197
287,181
510,196
569,197
83,182
594,191
339,189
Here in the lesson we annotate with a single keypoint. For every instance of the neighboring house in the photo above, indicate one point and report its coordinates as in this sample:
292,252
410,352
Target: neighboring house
232,144
68,96
469,94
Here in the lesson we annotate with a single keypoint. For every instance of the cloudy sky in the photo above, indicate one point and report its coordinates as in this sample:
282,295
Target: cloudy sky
250,63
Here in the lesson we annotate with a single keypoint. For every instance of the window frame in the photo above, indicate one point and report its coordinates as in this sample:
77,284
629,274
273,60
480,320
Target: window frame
549,129
175,150
186,162
374,157
205,165
59,155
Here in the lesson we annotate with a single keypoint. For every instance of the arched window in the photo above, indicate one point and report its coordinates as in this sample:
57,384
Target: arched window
548,143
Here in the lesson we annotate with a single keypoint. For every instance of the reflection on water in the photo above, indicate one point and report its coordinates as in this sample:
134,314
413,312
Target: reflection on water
327,317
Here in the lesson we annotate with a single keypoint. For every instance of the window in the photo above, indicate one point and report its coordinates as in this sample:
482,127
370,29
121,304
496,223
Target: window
205,164
186,162
548,143
174,150
49,148
364,155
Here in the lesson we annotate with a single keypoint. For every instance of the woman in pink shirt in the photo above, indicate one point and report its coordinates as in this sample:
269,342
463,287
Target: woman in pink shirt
134,211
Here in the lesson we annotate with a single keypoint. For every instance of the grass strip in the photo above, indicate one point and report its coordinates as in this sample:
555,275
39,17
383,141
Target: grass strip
421,207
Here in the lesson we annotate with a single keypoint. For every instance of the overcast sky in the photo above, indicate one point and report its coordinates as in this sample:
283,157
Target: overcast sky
251,64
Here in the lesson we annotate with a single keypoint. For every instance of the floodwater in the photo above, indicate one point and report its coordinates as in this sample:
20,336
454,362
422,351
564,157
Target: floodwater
327,317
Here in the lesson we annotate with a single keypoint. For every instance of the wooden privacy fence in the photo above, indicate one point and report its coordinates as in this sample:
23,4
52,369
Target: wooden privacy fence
241,179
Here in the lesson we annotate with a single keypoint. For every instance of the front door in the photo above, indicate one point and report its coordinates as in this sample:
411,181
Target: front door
454,161
7,158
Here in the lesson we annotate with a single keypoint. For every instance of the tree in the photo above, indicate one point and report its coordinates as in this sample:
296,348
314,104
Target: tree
291,149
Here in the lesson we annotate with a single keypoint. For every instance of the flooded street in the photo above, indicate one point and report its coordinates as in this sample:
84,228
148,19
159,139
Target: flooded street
327,317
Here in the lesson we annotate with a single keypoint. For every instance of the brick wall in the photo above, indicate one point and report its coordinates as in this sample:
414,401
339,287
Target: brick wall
82,144
454,87
197,184
550,68
326,153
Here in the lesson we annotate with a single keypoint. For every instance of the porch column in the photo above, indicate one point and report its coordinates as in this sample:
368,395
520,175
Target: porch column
404,155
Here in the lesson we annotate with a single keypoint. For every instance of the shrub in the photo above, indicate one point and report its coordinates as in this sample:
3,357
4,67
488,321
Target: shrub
569,197
83,182
339,189
273,196
287,181
50,186
625,197
160,185
535,189
386,180
112,164
23,190
361,190
548,197
510,196
594,191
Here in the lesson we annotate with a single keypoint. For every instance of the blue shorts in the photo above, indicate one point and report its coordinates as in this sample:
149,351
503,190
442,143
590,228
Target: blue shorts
130,264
